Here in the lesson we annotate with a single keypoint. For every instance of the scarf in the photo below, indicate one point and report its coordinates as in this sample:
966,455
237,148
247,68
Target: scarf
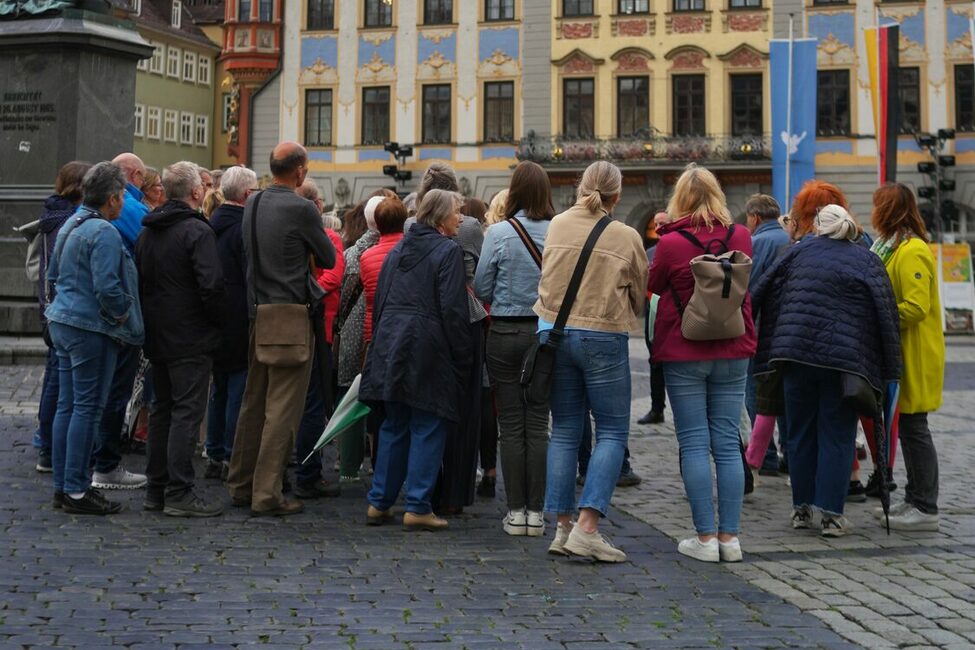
884,248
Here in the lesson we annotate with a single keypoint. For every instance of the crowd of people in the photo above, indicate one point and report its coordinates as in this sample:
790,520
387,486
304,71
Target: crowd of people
198,295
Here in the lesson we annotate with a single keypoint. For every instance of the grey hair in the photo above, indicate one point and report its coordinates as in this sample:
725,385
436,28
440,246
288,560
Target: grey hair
309,190
180,179
436,206
330,220
835,222
235,182
438,176
101,182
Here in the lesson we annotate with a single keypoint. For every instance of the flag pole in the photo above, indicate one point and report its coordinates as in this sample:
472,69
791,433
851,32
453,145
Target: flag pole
788,123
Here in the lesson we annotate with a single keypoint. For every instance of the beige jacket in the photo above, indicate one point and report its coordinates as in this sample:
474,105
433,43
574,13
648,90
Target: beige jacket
613,289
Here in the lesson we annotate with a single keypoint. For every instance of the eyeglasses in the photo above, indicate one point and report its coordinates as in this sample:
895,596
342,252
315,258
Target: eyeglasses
785,220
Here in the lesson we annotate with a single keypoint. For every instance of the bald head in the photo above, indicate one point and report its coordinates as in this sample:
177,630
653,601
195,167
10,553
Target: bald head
288,160
132,166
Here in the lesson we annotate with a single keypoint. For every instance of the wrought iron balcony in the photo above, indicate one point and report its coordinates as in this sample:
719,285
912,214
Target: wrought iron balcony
650,150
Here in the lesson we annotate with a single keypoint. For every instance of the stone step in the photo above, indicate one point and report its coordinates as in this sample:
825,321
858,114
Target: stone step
13,252
19,317
14,284
22,350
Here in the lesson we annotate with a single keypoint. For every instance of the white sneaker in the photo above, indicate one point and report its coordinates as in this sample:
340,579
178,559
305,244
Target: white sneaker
515,522
730,551
704,551
895,509
535,524
913,519
118,479
802,517
557,547
835,526
592,545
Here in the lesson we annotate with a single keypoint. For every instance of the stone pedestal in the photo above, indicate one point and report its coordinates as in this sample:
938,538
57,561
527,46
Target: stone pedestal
67,92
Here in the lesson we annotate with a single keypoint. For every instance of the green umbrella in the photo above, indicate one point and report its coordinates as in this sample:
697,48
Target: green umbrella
349,411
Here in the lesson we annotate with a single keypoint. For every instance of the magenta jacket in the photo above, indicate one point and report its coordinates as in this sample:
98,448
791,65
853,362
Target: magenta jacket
671,268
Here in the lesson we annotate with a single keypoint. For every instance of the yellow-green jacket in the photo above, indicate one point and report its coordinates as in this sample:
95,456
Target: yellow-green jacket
913,273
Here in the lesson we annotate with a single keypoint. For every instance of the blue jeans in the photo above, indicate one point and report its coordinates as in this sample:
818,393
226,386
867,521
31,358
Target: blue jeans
822,437
706,397
585,450
411,443
108,441
590,367
226,395
86,364
49,403
310,429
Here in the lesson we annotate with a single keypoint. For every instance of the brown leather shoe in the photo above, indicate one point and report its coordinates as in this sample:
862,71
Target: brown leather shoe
286,508
377,517
414,522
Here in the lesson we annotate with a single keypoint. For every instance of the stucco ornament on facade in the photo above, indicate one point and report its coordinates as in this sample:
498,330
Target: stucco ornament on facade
435,67
318,72
745,22
677,24
376,69
744,56
376,38
634,27
691,60
577,30
832,51
499,64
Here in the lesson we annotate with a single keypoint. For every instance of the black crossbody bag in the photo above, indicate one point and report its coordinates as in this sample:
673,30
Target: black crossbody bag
538,364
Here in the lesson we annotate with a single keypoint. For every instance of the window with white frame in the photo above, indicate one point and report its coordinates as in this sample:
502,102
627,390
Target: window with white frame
202,130
186,128
156,62
177,14
203,76
137,7
227,100
153,122
142,64
173,58
170,118
189,66
139,126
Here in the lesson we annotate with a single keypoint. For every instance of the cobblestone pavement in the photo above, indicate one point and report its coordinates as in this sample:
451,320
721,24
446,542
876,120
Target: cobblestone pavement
321,579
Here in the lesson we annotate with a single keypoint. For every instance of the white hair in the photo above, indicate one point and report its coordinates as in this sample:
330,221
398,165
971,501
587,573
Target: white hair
235,182
835,222
370,211
180,179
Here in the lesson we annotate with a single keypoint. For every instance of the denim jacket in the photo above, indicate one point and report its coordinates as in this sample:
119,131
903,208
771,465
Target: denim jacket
507,276
96,280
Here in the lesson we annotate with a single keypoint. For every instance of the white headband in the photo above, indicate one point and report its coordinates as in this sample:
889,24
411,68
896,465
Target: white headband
370,211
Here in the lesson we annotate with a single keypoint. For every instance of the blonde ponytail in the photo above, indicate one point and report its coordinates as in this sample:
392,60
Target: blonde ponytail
835,222
600,183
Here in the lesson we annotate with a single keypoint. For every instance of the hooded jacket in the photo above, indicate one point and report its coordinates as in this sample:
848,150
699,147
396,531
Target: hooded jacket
226,222
181,283
56,212
421,352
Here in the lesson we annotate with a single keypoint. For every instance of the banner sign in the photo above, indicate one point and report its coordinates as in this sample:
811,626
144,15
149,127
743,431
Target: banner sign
792,66
957,290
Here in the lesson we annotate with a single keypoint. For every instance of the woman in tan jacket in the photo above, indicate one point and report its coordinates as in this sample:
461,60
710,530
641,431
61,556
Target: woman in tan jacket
592,368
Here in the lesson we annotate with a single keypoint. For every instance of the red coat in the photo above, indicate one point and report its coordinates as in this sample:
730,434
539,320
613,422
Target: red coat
671,268
370,264
330,280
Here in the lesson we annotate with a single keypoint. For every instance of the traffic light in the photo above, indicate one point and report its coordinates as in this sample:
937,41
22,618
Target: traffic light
389,170
946,161
403,176
946,185
926,167
925,192
949,211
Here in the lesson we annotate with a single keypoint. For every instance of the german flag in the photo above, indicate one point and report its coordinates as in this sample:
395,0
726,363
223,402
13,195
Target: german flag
883,61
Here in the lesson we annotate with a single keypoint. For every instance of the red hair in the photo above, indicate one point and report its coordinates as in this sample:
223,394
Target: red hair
895,213
813,196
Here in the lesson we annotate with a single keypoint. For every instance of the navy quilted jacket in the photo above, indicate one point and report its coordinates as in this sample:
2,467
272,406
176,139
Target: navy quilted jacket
829,303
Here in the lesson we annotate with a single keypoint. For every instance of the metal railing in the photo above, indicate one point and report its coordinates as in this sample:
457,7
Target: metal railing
643,150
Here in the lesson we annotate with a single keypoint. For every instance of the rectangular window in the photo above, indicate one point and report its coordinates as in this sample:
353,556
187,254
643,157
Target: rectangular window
177,15
202,130
244,11
375,115
632,106
186,128
688,5
265,11
378,13
169,125
203,77
576,7
156,62
137,7
225,111
688,104
438,12
499,111
746,104
189,66
965,97
139,127
153,122
745,4
909,89
634,6
499,10
318,118
142,64
833,102
173,58
436,114
830,2
321,14
578,108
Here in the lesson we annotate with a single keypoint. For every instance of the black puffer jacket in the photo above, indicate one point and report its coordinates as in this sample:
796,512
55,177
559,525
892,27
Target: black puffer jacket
829,303
180,282
56,212
420,353
226,221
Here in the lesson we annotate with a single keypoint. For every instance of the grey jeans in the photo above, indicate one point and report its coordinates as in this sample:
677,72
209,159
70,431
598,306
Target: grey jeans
920,461
181,388
522,428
